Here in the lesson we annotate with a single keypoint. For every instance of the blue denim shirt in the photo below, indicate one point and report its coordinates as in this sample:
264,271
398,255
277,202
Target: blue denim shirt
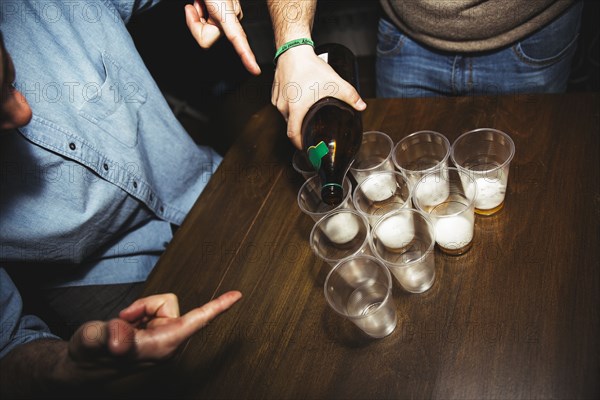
91,185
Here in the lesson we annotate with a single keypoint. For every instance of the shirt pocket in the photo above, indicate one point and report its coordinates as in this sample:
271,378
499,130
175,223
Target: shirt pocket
114,106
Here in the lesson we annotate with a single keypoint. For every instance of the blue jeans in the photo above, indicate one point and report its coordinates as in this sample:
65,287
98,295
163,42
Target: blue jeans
540,63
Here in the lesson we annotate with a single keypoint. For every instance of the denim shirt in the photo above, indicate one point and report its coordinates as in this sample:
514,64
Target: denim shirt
91,186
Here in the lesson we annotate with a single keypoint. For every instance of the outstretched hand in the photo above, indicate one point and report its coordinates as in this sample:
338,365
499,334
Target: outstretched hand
207,20
149,330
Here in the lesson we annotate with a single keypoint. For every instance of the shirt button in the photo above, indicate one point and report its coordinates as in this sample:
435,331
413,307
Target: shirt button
72,146
135,184
105,166
162,209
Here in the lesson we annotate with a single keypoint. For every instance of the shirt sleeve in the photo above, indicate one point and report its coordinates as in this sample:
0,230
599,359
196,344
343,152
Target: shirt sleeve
15,328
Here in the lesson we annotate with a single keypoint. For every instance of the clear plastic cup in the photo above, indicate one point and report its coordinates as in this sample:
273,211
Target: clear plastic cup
419,153
340,234
360,289
485,155
375,155
311,204
380,193
448,196
404,240
302,165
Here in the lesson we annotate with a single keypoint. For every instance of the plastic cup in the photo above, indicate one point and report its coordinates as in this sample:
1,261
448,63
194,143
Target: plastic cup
360,289
310,202
419,153
448,196
485,155
302,165
375,155
404,240
340,234
381,192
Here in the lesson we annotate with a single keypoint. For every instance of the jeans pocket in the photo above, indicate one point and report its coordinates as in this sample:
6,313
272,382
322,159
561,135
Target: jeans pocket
389,39
550,44
115,105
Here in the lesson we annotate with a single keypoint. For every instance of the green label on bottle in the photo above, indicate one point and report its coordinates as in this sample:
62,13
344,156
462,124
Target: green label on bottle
316,153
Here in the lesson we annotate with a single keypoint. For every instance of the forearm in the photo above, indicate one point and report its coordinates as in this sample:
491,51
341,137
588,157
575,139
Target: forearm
291,19
43,367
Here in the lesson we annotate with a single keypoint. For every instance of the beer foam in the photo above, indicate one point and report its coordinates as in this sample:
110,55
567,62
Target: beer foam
490,193
396,231
453,232
432,191
341,228
379,187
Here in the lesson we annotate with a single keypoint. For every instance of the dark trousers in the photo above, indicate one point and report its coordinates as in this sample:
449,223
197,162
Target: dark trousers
65,309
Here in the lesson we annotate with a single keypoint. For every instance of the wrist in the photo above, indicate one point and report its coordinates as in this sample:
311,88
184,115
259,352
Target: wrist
292,44
288,37
67,370
36,368
296,55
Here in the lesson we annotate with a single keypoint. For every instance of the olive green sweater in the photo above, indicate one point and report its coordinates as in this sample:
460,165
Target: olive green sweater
471,25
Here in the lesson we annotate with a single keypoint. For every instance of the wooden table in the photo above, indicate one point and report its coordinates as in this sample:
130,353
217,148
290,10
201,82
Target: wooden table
515,317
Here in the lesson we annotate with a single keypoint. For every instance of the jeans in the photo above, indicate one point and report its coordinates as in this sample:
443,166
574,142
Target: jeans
540,63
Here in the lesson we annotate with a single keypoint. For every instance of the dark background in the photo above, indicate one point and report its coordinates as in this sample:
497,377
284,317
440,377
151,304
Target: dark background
213,95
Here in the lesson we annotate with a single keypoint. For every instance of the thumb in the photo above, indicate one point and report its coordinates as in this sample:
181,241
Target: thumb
121,338
97,340
204,33
89,341
349,94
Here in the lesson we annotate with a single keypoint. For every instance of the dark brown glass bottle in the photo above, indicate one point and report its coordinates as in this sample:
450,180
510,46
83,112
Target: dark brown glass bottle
332,129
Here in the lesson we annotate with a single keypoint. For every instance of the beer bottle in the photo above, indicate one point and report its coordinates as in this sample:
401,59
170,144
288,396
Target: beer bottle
332,129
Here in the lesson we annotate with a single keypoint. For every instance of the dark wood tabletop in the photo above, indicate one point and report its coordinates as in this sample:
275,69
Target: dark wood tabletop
515,317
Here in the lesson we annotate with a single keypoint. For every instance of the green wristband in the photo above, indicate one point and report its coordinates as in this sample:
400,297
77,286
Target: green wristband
292,43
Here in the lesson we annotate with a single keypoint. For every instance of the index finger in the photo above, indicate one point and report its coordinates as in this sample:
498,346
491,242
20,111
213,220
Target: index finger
235,33
199,317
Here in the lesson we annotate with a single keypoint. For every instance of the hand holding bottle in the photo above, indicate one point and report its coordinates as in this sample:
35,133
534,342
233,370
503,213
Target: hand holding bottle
332,129
301,79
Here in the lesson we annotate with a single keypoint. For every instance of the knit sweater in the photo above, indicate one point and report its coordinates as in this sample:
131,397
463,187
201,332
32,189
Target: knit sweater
471,25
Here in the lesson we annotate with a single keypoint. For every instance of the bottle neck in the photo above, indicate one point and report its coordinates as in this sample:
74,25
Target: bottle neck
332,193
